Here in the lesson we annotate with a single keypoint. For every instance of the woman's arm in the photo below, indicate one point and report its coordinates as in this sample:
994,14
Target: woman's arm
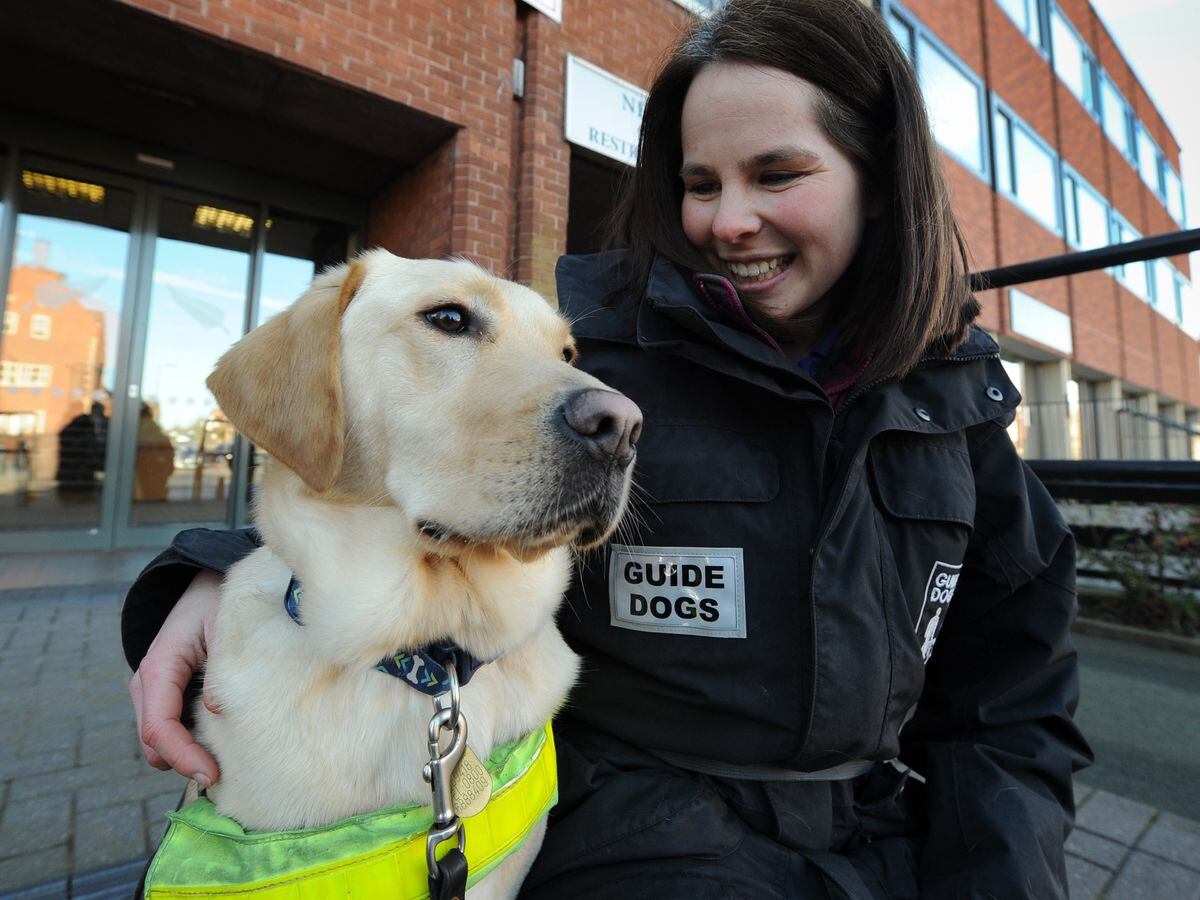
157,687
993,733
166,629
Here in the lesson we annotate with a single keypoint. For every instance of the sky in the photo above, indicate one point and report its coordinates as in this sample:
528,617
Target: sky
1160,38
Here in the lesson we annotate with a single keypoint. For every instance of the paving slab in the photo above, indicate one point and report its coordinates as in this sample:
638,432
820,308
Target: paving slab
34,868
1082,793
34,824
1145,877
1175,838
107,836
1085,880
1096,849
1117,818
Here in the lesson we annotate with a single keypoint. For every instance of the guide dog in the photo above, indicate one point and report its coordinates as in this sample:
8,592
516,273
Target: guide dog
434,457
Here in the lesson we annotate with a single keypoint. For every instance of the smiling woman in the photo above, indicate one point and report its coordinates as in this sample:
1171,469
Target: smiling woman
783,223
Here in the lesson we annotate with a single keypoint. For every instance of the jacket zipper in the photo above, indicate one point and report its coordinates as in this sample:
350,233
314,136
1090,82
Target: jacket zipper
814,552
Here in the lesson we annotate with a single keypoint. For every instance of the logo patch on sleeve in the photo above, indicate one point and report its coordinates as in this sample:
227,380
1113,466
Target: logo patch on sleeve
939,591
678,590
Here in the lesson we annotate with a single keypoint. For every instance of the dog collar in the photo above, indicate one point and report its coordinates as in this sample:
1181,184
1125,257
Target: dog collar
423,668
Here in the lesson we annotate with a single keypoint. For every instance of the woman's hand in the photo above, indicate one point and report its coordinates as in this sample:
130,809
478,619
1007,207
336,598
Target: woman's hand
158,685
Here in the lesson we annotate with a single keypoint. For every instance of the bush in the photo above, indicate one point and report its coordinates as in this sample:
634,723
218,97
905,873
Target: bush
1157,566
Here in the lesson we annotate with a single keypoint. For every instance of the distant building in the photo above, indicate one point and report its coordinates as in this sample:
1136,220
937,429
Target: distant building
184,169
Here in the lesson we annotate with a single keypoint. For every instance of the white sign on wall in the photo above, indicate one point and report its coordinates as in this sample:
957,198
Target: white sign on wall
551,8
604,113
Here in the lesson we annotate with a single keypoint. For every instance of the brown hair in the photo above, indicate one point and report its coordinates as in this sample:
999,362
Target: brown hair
906,293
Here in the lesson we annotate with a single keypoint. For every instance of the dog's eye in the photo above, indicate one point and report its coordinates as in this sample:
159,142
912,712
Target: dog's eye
451,319
569,355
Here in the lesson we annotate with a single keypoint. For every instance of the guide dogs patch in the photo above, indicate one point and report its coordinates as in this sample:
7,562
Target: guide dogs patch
678,590
939,591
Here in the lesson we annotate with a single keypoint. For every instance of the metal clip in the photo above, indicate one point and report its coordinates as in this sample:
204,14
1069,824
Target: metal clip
437,772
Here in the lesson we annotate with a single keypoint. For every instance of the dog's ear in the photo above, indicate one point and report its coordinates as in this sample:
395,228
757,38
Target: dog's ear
281,384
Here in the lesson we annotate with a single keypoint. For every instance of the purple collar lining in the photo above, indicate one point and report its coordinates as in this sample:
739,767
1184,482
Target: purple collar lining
732,304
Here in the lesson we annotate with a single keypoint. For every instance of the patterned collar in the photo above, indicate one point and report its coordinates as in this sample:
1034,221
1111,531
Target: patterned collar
423,669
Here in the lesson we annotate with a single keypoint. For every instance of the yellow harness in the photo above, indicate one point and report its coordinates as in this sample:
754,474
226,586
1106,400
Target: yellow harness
382,854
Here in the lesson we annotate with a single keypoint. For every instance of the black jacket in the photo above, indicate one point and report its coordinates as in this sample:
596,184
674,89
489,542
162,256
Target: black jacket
773,596
865,535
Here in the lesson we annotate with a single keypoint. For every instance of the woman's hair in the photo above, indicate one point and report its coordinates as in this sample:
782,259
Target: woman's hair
906,293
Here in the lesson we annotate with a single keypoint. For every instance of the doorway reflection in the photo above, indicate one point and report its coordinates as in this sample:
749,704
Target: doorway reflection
184,463
58,353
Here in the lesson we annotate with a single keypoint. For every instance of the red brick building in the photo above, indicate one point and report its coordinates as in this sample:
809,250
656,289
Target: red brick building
238,145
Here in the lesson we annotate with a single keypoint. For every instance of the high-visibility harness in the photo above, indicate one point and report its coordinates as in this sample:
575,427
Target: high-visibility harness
381,854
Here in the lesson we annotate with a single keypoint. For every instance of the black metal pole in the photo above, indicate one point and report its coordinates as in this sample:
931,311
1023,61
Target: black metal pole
1173,244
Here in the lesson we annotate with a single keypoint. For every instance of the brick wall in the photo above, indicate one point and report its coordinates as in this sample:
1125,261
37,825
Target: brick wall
449,58
1114,331
497,191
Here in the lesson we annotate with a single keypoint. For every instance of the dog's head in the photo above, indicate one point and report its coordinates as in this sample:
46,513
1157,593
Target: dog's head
444,390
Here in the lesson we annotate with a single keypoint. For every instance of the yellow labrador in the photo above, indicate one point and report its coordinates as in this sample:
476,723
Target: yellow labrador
435,455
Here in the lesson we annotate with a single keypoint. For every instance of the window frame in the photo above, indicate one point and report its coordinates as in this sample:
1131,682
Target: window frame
1116,221
1179,192
1070,172
918,31
998,106
1093,64
41,326
1156,189
697,8
1130,150
1041,14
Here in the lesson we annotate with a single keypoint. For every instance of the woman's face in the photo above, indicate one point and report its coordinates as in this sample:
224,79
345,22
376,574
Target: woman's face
774,205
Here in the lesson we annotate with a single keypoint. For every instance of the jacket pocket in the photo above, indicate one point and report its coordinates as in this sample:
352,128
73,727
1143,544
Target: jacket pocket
924,491
681,461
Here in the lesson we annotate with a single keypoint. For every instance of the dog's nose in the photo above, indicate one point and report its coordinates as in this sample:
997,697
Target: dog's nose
608,424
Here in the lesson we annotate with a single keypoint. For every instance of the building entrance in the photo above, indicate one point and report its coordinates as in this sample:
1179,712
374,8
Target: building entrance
121,294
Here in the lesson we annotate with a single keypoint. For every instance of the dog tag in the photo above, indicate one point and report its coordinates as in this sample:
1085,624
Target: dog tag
470,786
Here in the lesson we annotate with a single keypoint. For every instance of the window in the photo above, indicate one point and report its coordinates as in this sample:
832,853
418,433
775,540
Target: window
39,327
1164,288
24,375
1148,159
953,95
903,33
1027,15
701,7
12,321
1174,191
1132,275
1116,114
954,103
1073,61
1085,214
1025,169
1186,306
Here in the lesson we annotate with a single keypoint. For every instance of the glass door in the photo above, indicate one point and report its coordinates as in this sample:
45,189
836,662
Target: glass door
195,300
121,297
66,310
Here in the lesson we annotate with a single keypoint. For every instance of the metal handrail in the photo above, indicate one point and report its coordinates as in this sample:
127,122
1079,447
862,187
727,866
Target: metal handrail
1172,244
1148,481
1104,480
